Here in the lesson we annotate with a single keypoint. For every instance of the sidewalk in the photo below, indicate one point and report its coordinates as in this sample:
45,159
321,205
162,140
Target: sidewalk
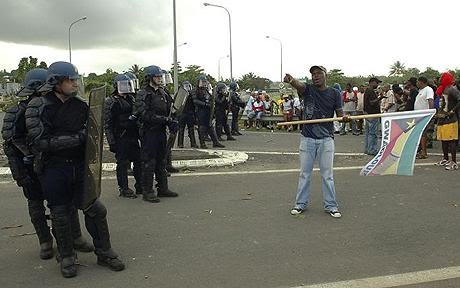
182,159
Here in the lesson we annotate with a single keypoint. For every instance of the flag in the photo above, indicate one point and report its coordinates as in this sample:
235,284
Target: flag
401,133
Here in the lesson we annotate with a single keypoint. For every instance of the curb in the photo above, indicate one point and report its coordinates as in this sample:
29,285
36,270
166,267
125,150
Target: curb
226,158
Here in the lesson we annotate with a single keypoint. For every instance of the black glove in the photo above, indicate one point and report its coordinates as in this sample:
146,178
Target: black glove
113,148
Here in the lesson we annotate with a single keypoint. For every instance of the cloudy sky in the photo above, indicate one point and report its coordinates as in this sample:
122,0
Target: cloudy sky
359,37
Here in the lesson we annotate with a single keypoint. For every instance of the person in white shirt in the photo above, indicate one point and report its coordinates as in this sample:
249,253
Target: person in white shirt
424,100
360,106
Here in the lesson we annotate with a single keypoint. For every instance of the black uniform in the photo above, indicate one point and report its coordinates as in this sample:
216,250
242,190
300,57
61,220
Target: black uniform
221,111
203,102
123,137
235,104
152,108
56,131
20,159
187,118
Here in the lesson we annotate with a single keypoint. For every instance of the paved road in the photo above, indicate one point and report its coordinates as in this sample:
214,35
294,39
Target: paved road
235,230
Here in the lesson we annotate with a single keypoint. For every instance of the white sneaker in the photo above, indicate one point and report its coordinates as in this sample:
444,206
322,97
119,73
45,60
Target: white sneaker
334,213
296,211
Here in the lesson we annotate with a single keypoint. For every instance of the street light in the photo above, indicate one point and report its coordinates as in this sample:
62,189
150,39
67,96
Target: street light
176,77
218,68
70,27
281,46
185,43
230,32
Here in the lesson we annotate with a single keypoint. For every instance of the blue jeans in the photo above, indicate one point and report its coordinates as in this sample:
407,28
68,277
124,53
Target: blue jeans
310,150
370,136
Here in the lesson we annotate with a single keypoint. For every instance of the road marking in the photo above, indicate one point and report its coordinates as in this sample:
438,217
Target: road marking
394,280
230,173
297,153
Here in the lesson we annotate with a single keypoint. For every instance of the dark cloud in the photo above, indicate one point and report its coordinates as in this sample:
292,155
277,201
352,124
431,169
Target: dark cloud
130,24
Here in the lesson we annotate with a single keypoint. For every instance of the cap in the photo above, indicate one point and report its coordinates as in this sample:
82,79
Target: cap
318,67
375,79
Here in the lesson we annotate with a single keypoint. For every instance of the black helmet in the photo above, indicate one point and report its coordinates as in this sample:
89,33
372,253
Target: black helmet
202,81
221,88
234,86
59,71
34,79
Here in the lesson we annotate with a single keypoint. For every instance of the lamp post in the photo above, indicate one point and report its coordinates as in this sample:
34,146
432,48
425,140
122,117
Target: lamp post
230,32
281,46
176,77
218,67
70,27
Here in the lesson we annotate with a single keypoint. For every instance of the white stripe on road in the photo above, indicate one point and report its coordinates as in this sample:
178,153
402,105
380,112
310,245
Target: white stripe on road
297,153
395,280
230,173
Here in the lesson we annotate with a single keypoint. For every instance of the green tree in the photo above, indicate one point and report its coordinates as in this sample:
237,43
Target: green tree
397,69
431,74
43,65
24,66
336,76
136,70
253,82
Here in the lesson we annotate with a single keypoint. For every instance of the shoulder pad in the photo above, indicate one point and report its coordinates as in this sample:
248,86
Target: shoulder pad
9,120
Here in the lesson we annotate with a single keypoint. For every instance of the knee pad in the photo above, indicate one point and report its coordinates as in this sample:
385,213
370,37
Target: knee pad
97,209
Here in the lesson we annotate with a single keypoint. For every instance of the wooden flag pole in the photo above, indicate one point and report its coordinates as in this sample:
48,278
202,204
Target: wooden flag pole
324,120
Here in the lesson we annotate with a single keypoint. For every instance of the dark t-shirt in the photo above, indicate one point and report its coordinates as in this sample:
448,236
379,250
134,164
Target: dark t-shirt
320,104
369,107
411,99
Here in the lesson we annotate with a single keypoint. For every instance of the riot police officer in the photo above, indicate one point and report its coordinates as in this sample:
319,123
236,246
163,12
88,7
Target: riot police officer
152,109
187,119
20,159
56,124
236,103
204,104
122,133
221,110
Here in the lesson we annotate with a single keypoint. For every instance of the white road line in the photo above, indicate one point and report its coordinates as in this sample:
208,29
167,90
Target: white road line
230,173
297,153
394,280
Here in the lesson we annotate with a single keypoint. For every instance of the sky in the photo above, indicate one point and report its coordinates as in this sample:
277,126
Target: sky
358,37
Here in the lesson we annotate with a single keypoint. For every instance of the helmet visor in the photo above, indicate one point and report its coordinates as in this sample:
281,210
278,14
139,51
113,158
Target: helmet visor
187,87
125,87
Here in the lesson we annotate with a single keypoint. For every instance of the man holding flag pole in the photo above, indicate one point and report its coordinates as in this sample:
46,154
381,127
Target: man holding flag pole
317,140
401,133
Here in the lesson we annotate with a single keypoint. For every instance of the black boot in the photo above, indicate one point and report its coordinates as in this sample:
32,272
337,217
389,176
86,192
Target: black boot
215,141
202,132
162,187
191,136
79,243
180,137
62,230
148,194
228,133
137,171
127,193
98,228
38,219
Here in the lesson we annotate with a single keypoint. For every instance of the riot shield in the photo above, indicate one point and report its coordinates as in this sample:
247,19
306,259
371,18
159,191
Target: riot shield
94,146
180,98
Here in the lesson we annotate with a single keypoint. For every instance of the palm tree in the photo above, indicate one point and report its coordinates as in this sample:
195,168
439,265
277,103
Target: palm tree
397,69
136,70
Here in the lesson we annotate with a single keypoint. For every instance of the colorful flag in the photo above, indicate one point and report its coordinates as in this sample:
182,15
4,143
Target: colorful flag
401,133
